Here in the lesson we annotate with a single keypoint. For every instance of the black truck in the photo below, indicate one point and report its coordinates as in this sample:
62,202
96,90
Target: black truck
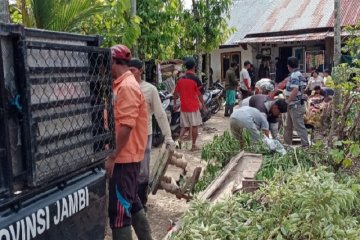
56,129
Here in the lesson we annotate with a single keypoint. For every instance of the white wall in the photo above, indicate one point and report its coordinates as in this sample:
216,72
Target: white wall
216,58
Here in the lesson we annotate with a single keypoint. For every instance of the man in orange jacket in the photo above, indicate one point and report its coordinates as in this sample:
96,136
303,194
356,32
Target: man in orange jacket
123,167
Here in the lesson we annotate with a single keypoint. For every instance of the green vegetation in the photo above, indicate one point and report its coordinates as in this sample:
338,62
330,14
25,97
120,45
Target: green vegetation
161,29
56,15
299,204
217,154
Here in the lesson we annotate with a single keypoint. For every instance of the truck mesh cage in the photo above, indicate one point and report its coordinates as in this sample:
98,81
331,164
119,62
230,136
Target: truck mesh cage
67,108
7,75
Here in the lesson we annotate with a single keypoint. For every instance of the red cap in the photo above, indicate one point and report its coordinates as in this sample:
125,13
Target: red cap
121,52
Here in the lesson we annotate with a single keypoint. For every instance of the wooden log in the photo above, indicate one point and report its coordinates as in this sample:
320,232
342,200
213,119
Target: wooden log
169,187
191,182
166,179
174,189
243,162
178,155
180,163
160,167
217,183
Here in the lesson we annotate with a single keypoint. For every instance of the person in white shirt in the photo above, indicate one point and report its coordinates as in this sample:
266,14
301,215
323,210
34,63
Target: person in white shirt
315,80
154,108
245,80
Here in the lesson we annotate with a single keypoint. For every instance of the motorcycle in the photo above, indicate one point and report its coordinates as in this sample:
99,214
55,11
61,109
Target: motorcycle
216,93
212,102
173,117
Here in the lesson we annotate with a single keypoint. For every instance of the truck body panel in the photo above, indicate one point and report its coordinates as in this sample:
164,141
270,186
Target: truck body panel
57,128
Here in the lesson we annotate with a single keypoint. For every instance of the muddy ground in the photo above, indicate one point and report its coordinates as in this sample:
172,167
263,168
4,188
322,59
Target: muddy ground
164,207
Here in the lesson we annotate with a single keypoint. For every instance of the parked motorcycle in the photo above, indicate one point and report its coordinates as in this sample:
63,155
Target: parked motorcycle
173,117
216,93
212,100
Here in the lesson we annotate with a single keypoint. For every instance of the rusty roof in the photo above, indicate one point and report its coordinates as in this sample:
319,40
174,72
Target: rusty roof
287,17
350,13
287,38
290,15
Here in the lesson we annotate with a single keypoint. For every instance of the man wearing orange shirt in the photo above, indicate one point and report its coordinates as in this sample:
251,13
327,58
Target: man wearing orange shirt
123,167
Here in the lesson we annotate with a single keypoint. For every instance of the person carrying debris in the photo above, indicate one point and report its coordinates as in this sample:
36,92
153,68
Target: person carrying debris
231,85
191,101
270,108
155,108
252,120
123,167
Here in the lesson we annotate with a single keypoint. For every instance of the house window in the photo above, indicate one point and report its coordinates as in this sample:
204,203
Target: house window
298,52
226,59
314,60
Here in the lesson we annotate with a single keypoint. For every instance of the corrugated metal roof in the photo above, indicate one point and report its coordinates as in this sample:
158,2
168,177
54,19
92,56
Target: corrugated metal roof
243,15
265,16
350,13
289,15
303,37
288,38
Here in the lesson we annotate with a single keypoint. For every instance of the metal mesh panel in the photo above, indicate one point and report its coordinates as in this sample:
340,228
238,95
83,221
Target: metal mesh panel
69,111
2,124
10,142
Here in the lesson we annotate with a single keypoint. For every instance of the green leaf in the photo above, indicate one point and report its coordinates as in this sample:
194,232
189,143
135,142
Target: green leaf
337,155
347,162
355,150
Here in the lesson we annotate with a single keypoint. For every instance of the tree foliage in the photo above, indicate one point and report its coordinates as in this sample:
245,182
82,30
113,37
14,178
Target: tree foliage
57,15
116,24
209,26
344,136
161,28
170,31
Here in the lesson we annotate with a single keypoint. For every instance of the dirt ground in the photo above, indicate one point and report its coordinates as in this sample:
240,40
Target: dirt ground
164,207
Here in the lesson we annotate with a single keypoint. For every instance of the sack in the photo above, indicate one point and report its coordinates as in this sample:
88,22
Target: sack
274,145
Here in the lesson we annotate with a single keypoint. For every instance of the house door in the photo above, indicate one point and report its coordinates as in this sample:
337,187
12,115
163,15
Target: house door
282,71
226,59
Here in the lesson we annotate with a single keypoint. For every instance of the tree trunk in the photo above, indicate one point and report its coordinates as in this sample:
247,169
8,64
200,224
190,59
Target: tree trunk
197,46
207,56
337,56
4,11
337,33
199,65
135,52
207,69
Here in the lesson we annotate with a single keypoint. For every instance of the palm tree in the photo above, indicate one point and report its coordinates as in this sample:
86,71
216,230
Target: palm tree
59,15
